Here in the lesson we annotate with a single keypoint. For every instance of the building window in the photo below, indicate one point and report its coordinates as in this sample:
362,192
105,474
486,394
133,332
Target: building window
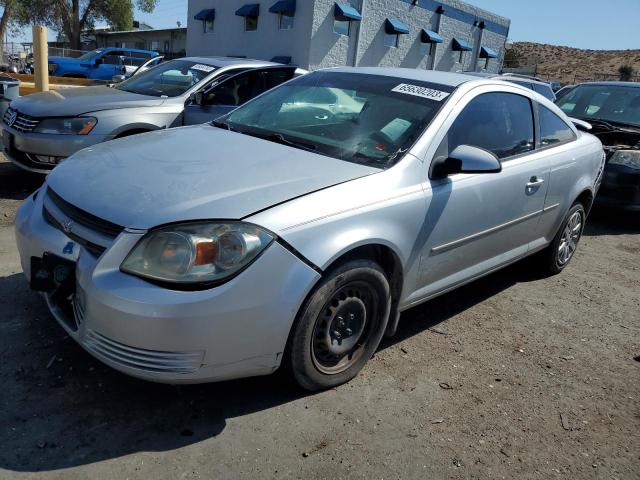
426,49
391,40
461,58
154,45
166,45
285,21
207,26
342,27
250,24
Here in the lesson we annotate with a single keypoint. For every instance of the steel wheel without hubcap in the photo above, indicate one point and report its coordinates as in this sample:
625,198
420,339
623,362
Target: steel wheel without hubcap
570,237
341,330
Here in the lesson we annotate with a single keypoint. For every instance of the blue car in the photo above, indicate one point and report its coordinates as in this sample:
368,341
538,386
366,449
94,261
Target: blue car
100,64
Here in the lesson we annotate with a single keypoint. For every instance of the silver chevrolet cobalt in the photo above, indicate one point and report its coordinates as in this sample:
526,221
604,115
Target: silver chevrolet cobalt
294,230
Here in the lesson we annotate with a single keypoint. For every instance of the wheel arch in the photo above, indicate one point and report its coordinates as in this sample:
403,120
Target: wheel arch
134,129
586,197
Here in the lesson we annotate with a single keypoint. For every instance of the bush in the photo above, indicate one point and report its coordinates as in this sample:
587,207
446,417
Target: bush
626,72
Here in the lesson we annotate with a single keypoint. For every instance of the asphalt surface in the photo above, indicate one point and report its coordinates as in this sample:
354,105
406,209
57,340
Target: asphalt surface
513,376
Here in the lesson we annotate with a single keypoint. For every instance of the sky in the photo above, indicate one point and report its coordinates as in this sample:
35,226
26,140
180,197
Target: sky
610,25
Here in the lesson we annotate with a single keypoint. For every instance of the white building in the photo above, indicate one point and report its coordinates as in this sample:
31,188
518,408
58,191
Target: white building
446,35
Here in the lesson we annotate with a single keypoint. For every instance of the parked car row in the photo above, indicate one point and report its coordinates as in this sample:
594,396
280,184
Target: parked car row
293,229
41,130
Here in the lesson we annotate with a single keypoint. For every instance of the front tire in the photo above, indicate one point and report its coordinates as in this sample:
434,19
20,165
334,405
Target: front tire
340,325
565,243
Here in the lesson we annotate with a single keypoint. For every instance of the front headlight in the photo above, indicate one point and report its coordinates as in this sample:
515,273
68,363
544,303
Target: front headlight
196,253
628,158
67,126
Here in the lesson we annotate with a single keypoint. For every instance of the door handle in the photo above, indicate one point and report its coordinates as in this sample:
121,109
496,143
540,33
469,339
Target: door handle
535,182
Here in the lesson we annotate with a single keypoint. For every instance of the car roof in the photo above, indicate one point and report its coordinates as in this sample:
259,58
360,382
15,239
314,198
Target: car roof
227,61
508,78
443,78
613,83
137,50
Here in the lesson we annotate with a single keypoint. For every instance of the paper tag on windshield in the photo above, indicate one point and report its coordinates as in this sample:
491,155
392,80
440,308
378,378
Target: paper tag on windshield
419,91
203,68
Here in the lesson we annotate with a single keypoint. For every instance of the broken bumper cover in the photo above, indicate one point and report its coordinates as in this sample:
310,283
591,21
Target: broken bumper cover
237,329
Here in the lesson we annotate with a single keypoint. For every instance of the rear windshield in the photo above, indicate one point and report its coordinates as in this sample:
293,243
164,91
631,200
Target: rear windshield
369,119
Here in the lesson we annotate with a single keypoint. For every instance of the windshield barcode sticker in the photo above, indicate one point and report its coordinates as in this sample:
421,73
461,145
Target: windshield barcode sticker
419,91
203,68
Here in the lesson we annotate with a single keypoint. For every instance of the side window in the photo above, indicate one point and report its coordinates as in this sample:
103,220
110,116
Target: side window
552,128
274,77
236,90
522,84
113,58
501,123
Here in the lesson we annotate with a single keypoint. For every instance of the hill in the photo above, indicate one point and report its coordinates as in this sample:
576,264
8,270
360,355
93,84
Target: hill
571,65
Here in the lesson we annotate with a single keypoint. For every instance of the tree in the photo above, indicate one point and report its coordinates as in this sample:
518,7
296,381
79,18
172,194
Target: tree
8,12
626,72
73,17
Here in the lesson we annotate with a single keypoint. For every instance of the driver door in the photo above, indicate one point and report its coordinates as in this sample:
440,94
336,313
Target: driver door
229,92
480,221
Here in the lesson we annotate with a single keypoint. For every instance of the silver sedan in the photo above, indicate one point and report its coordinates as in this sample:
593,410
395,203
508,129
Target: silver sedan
43,129
294,230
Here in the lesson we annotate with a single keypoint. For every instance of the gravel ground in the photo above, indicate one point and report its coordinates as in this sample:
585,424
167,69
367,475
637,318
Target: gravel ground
512,376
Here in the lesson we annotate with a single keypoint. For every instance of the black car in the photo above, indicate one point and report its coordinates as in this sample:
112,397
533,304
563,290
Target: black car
613,110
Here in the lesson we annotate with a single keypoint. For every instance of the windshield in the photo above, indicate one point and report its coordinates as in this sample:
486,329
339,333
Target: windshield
89,55
169,79
611,103
369,119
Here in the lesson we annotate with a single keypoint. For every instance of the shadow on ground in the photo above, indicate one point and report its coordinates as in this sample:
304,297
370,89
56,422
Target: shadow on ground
15,183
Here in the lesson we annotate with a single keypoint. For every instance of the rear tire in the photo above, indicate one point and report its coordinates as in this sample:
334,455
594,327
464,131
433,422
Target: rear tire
560,252
340,325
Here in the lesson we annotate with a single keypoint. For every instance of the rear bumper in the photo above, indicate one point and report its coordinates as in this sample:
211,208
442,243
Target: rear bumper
620,188
237,329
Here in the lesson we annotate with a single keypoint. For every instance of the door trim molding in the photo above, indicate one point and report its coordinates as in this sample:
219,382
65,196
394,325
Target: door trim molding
474,236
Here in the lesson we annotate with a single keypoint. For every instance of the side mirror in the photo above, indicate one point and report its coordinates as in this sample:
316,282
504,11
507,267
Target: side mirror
99,61
198,98
466,159
118,78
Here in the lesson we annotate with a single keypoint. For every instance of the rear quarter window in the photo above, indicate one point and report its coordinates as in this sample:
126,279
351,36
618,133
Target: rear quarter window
553,129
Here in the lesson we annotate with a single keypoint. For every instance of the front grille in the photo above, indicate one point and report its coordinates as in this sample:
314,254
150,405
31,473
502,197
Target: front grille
141,359
22,122
93,233
84,218
93,248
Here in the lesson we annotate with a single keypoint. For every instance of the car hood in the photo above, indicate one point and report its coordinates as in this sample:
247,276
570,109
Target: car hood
192,173
76,101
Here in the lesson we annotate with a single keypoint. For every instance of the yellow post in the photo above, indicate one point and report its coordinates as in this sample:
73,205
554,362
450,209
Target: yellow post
40,59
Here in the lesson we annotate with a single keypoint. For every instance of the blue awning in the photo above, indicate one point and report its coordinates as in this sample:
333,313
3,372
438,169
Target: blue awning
486,52
393,25
460,46
281,59
249,10
427,36
284,6
342,11
205,14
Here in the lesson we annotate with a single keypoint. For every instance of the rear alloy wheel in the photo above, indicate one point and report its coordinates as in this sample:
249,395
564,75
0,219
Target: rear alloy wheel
565,243
340,325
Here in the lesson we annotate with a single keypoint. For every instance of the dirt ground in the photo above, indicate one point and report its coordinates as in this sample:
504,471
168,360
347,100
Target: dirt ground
513,376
